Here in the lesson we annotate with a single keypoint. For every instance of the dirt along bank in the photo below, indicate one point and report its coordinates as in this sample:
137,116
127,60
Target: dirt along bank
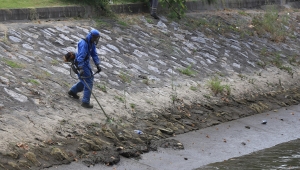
163,77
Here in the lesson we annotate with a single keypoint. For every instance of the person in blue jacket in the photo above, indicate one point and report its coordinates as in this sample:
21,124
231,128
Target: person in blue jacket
86,48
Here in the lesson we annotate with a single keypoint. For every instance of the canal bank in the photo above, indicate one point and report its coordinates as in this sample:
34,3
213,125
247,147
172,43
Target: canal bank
216,144
157,77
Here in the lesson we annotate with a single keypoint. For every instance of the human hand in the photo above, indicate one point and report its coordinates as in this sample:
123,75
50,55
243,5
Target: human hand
98,69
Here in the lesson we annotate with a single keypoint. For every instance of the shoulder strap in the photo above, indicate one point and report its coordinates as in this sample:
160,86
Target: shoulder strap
87,56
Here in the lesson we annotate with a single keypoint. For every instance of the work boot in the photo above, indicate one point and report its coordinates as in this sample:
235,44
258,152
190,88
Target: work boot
87,105
72,94
154,16
153,13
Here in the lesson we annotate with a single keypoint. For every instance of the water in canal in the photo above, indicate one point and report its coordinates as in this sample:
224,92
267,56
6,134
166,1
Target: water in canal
283,156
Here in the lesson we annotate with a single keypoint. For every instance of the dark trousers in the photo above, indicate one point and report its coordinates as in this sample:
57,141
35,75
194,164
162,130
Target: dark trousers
153,5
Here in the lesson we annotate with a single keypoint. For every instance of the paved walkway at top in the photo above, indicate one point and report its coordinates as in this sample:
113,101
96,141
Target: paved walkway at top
216,144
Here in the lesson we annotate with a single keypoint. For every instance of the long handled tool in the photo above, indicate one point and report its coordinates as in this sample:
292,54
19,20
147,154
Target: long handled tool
95,97
83,78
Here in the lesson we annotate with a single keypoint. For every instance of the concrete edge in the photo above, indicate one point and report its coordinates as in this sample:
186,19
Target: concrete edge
87,11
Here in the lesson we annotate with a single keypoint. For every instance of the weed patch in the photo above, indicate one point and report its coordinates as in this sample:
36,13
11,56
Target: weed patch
12,64
216,87
187,71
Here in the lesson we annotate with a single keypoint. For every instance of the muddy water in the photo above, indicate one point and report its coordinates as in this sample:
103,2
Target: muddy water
282,156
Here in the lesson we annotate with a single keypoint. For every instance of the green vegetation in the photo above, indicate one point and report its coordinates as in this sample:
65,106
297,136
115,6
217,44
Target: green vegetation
125,77
193,88
121,99
123,23
54,62
242,13
272,23
146,81
262,64
187,71
12,64
33,81
277,61
33,3
132,105
102,87
216,87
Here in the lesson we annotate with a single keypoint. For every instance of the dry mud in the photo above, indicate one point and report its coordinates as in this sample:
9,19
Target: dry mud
42,127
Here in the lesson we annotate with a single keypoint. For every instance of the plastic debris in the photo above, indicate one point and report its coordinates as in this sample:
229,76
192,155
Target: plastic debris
264,122
138,132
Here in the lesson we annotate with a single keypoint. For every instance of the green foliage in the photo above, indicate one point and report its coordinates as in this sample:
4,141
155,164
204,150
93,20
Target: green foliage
216,87
272,23
12,64
102,87
97,4
132,105
193,88
121,99
125,77
287,69
262,64
177,7
123,23
292,60
33,3
277,61
242,13
32,81
187,71
54,62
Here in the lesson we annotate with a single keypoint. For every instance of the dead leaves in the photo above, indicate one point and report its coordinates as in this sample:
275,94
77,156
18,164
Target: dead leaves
23,145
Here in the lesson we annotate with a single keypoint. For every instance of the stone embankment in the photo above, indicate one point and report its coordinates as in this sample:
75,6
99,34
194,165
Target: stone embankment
158,77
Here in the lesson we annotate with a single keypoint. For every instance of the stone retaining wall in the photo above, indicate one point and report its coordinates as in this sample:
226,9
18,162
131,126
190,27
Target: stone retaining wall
84,11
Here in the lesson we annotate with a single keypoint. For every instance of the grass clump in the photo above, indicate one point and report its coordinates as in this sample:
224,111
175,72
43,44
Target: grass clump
187,71
121,99
272,23
216,87
193,88
125,77
132,105
33,81
12,64
102,87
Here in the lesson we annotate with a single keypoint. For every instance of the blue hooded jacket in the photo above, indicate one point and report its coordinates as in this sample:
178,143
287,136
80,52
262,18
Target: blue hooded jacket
87,49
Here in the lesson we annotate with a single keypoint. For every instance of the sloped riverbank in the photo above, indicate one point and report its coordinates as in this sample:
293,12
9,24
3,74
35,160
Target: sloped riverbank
157,77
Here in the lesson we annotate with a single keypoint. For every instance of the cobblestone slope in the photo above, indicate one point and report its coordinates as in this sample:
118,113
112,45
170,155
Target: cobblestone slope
144,63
